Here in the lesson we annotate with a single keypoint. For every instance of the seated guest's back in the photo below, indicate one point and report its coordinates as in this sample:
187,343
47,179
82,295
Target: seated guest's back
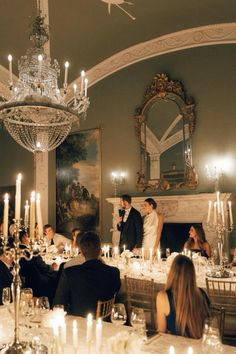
38,275
182,307
81,286
6,277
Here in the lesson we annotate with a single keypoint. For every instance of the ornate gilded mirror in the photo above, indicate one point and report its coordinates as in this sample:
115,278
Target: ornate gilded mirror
165,123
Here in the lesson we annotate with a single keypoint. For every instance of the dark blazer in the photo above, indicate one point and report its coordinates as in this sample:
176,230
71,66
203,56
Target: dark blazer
80,287
5,278
131,231
39,276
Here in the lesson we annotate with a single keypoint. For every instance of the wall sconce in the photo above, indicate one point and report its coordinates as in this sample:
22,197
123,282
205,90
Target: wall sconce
214,174
117,178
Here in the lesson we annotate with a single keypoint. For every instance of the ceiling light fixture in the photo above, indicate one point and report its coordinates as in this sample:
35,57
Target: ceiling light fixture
36,115
118,3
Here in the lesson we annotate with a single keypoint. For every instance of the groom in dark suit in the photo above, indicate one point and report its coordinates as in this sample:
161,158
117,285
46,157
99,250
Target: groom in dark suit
81,286
130,225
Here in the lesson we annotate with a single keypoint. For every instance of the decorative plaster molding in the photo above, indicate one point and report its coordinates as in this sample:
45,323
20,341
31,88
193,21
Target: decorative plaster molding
222,33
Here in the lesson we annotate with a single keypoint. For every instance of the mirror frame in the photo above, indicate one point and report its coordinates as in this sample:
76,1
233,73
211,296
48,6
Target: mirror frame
163,88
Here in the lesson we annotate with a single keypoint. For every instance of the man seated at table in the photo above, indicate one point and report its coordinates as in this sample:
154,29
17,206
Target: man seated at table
36,274
6,276
52,238
81,286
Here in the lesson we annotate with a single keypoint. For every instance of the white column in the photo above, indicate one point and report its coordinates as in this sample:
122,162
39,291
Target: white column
41,182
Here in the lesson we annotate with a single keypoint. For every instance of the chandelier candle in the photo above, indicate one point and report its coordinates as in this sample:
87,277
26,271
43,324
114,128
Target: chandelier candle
86,86
5,216
82,82
66,74
10,68
18,196
40,59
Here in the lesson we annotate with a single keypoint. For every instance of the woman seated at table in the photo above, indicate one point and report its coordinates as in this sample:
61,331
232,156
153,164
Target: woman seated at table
197,241
182,307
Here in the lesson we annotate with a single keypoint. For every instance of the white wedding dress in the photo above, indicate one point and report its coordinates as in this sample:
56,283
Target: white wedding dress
150,225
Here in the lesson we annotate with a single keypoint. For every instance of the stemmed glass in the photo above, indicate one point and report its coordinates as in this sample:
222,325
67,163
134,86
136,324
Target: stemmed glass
118,314
26,294
211,336
6,296
138,321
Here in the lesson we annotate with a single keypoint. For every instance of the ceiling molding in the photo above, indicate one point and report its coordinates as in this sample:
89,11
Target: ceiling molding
222,33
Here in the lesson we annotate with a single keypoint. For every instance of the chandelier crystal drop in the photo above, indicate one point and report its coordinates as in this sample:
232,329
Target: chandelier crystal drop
37,116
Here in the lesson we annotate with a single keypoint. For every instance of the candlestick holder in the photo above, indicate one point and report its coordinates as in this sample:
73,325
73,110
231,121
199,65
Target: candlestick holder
17,346
222,224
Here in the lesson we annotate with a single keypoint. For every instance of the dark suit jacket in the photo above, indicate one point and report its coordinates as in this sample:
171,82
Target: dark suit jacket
39,276
131,231
80,287
5,278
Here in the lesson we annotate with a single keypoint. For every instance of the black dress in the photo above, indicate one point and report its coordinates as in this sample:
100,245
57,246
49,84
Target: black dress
171,318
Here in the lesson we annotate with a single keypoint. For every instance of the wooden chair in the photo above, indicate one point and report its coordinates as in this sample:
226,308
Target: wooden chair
104,308
141,293
222,294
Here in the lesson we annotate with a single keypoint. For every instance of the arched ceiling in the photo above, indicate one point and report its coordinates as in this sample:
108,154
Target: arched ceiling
84,33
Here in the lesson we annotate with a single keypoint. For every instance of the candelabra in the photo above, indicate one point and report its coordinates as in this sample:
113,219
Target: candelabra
117,179
19,347
220,220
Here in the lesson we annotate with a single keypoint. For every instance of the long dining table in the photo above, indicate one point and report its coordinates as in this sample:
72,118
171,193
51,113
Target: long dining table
115,338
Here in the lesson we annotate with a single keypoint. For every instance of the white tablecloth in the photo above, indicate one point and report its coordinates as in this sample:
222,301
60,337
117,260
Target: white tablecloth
160,344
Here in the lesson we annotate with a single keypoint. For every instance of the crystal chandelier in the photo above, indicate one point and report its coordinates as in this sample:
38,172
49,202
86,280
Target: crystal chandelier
36,116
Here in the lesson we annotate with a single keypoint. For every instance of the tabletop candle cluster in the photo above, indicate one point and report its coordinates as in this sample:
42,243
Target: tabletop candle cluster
32,213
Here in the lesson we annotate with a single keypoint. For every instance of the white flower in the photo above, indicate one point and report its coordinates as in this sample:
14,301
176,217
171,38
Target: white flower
127,254
125,343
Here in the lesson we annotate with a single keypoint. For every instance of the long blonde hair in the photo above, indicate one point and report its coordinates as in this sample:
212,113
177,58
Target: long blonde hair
190,305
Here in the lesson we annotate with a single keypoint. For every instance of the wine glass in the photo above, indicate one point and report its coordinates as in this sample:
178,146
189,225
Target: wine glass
118,314
44,304
138,321
6,296
26,294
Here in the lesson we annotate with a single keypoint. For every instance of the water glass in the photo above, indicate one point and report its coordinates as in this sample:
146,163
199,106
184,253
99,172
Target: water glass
138,321
118,314
6,296
43,304
211,336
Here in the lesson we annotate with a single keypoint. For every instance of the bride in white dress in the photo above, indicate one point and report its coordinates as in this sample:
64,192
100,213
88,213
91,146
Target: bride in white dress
152,226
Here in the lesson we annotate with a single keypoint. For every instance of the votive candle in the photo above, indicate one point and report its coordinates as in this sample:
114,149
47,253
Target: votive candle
171,350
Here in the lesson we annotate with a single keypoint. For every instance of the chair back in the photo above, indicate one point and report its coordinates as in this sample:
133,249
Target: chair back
104,308
141,293
222,294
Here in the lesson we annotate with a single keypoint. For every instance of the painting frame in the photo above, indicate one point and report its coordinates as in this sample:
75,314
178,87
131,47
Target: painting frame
78,182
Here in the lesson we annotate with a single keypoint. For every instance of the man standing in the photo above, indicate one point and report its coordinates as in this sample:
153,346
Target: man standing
80,287
130,224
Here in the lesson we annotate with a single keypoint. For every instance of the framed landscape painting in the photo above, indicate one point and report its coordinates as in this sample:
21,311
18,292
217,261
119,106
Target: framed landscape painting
78,179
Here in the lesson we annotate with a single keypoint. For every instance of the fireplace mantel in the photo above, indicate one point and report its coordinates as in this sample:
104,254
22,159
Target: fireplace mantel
176,209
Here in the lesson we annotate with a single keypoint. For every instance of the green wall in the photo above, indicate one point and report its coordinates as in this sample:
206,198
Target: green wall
208,74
